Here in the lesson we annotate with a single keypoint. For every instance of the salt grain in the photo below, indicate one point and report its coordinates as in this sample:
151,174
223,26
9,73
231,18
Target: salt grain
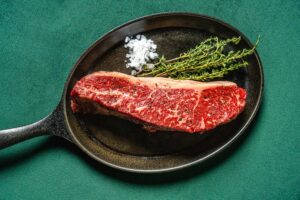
133,72
150,66
141,51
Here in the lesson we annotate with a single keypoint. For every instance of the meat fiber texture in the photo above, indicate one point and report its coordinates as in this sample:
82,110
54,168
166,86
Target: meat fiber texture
159,103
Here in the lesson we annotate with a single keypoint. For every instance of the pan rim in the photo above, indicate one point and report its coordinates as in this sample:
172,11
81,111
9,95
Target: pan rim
212,154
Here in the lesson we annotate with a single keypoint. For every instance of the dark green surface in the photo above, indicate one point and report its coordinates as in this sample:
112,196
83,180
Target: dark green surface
41,40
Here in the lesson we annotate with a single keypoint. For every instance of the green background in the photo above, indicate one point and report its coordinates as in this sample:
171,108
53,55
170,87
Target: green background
41,40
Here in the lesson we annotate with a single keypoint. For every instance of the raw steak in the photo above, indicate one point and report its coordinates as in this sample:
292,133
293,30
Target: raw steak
159,103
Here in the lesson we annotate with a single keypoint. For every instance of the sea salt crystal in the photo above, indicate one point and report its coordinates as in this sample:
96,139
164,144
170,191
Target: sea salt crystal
141,51
150,66
133,72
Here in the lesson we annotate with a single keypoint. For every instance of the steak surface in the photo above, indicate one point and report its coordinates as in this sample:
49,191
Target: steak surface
159,103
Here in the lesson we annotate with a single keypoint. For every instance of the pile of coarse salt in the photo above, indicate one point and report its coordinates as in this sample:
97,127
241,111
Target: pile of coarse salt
141,51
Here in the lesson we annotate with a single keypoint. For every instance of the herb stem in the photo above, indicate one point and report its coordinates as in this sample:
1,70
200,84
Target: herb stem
208,60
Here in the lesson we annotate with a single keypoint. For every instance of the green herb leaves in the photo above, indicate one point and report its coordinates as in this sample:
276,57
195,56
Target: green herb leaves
206,61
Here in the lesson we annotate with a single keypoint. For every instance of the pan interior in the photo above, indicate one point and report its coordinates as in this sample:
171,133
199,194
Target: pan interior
124,144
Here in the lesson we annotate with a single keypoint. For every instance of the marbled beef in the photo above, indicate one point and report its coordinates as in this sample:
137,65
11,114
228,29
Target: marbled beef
159,103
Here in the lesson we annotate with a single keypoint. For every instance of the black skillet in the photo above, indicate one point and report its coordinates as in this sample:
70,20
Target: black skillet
124,145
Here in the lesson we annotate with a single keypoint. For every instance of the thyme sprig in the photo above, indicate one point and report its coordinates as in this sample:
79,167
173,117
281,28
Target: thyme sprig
206,61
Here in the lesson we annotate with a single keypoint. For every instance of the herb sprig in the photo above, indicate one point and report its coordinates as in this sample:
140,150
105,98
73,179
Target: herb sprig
206,61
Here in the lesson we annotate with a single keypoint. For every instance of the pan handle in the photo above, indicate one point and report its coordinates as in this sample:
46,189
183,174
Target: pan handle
52,124
12,136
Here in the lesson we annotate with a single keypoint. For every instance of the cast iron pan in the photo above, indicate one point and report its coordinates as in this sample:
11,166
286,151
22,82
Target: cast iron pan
124,145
